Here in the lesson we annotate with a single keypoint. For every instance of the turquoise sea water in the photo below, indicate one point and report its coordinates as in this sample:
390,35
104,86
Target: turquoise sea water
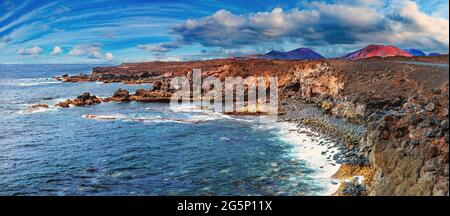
142,148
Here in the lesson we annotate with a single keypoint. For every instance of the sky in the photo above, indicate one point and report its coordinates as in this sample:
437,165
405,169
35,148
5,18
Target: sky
117,31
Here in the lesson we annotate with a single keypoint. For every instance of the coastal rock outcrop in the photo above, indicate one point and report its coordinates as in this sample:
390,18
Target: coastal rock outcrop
151,96
82,100
37,107
121,95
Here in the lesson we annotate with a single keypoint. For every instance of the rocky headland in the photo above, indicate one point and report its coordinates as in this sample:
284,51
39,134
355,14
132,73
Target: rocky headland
389,117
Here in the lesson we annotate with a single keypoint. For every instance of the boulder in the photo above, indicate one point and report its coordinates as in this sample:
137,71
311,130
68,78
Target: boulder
37,106
430,107
82,100
121,93
445,124
157,85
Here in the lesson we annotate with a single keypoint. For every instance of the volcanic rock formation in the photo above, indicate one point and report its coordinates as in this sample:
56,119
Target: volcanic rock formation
376,51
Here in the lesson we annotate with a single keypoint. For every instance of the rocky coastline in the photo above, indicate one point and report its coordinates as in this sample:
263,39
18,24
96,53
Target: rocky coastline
389,119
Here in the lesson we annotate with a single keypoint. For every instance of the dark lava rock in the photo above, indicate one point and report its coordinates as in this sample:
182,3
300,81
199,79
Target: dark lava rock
157,85
430,133
413,120
432,121
436,91
373,117
122,93
430,107
84,96
388,118
397,102
415,142
444,124
82,100
352,189
405,144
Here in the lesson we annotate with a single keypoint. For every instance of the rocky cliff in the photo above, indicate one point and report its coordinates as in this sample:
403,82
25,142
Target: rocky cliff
405,109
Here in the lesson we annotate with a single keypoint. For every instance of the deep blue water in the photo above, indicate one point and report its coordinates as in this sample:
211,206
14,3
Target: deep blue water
147,149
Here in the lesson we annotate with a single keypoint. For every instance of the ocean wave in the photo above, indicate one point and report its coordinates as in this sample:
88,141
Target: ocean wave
104,117
32,82
189,109
26,84
189,119
306,147
159,119
28,109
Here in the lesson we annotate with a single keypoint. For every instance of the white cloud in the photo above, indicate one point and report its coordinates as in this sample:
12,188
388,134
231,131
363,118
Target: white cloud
94,55
90,51
170,59
357,22
56,50
358,16
158,48
420,27
33,51
109,56
152,48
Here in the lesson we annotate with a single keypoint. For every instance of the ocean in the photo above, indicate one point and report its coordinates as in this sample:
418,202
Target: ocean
144,148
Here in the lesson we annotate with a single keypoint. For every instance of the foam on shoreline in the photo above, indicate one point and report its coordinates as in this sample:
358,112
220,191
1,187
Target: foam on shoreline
28,82
307,147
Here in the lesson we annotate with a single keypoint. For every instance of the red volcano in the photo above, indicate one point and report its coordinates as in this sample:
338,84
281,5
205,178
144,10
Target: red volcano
376,50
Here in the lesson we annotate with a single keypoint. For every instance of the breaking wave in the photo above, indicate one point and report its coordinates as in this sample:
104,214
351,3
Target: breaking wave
309,147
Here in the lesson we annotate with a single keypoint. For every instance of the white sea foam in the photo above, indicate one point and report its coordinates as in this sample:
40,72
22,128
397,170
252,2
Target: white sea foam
104,117
33,82
307,148
199,114
189,108
27,109
25,84
158,119
190,119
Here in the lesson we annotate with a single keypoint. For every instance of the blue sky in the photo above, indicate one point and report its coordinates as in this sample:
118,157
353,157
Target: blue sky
115,31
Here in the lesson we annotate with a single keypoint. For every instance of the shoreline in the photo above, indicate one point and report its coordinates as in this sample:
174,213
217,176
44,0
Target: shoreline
304,114
317,150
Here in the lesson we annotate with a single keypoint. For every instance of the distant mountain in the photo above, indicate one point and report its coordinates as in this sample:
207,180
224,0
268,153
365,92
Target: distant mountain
376,50
415,52
434,54
296,54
